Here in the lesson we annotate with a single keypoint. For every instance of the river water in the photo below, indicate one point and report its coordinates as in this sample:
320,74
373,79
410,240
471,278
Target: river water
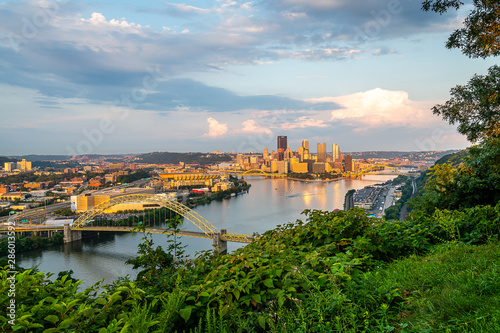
270,202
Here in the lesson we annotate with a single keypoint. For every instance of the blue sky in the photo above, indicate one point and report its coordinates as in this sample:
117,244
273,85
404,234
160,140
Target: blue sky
85,77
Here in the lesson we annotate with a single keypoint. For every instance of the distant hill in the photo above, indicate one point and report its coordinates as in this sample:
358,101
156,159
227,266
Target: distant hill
4,159
411,155
175,158
376,154
34,158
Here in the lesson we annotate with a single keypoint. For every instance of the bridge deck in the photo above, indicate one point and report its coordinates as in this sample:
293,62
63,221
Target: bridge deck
230,237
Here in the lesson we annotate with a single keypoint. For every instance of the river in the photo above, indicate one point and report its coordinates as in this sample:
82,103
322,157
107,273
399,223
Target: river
270,202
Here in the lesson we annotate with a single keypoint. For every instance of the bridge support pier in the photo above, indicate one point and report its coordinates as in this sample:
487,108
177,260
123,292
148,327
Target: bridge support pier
220,245
71,235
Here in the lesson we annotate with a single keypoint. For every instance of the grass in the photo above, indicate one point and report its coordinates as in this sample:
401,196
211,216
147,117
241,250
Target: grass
456,288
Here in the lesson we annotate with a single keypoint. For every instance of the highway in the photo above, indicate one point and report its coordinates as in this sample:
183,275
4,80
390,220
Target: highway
35,213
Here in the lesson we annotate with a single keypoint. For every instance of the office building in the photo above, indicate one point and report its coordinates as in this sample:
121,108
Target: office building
335,153
282,167
9,166
298,167
239,159
318,167
348,163
321,152
282,143
301,153
24,165
266,154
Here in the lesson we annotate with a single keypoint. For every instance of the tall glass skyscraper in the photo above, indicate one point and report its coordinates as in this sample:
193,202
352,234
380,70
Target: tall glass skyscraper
322,152
336,153
282,142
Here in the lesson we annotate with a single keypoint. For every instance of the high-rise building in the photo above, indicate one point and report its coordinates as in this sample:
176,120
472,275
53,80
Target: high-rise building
282,142
304,152
348,163
301,154
336,153
321,152
282,167
239,159
24,165
266,153
9,166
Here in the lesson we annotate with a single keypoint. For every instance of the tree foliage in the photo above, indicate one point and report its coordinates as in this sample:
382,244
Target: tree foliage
480,35
475,181
319,275
475,107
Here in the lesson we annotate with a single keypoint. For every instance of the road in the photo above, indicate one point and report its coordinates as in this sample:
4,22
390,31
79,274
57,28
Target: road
349,201
389,198
34,213
404,210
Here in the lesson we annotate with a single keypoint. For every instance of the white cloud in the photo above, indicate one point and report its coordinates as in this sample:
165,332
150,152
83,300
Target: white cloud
320,54
183,8
250,126
381,108
317,4
304,122
99,19
215,128
293,16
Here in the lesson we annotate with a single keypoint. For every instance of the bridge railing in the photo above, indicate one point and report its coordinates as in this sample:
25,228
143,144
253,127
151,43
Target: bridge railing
235,237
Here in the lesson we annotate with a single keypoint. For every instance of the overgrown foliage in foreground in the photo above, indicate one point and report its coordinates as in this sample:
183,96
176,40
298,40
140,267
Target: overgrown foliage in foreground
334,273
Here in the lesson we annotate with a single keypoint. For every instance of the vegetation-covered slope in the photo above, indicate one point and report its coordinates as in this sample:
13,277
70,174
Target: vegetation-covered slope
319,276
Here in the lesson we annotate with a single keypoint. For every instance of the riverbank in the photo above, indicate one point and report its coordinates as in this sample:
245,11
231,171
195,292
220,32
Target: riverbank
194,200
33,242
315,180
270,202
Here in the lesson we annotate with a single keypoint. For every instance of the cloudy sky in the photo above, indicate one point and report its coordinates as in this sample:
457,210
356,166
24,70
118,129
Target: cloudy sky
80,77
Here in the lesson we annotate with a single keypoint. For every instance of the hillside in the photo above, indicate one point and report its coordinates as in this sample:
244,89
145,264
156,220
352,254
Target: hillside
339,271
4,159
175,158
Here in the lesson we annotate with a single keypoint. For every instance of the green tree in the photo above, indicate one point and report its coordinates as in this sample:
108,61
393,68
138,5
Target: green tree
480,35
392,213
152,259
475,107
474,182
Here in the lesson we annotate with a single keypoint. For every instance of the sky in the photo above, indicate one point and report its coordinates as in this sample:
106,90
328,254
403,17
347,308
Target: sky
116,77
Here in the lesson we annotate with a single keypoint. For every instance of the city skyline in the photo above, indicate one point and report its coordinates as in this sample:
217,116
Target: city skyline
114,77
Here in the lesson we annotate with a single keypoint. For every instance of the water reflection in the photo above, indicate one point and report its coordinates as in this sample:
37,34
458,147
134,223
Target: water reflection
269,203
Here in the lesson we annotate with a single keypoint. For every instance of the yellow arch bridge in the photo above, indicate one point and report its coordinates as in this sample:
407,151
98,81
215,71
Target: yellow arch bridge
87,222
257,172
370,170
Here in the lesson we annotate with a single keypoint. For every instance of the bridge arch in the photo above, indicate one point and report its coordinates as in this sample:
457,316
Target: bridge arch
378,166
256,171
162,200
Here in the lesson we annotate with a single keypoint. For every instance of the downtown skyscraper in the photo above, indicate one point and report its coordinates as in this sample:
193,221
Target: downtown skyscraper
321,151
